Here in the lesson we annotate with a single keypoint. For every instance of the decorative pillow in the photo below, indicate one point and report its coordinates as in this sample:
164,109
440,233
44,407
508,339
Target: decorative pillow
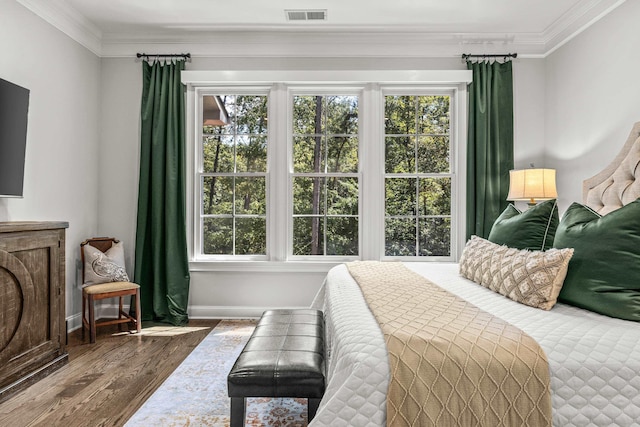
604,273
104,267
532,278
532,229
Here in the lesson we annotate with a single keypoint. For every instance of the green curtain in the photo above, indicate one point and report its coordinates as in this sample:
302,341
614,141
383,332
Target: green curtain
489,144
161,264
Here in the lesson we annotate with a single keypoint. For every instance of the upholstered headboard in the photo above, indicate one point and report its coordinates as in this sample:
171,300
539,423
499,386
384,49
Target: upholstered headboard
619,183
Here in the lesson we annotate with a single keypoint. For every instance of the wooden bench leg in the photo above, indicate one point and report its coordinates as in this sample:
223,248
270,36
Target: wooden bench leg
312,408
237,412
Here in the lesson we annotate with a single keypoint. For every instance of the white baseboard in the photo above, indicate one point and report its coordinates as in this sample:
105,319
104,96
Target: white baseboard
74,322
195,312
229,312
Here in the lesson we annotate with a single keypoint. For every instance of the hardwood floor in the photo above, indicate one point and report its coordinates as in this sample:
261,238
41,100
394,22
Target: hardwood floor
104,383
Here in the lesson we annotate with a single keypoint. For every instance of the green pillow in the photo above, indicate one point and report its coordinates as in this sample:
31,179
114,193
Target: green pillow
532,229
604,273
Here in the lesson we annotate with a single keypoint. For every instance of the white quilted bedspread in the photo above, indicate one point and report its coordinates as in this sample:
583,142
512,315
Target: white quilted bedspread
357,363
594,359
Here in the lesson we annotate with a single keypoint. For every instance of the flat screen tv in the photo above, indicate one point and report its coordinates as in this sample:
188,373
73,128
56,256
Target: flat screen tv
14,110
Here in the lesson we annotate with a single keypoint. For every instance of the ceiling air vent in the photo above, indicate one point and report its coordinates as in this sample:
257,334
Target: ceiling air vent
306,15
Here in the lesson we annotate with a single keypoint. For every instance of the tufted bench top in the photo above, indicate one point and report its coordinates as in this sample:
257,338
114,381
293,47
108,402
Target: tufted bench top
284,357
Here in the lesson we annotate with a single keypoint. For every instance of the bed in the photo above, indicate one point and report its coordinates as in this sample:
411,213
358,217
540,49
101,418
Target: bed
593,359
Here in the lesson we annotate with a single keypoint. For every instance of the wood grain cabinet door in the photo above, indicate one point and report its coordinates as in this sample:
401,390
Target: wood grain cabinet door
17,298
32,327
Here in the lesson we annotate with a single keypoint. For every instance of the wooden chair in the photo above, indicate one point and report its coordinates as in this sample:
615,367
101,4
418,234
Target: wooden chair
101,291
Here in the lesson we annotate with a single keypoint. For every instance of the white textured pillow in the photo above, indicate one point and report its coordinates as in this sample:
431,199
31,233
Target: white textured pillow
532,278
104,267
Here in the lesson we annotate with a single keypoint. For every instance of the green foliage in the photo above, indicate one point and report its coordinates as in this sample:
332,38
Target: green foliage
325,204
236,206
218,236
418,207
417,134
325,184
400,236
325,134
400,196
434,197
434,237
251,238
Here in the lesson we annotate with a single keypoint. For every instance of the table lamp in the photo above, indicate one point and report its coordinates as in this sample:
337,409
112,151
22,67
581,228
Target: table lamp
532,184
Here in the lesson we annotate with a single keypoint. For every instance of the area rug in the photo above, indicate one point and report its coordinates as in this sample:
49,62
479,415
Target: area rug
195,394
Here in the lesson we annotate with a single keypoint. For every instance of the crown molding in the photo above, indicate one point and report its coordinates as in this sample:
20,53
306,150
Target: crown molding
446,77
575,21
334,41
325,44
69,21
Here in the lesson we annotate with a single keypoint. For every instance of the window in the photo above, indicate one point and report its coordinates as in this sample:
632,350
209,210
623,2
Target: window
233,179
418,175
329,172
325,175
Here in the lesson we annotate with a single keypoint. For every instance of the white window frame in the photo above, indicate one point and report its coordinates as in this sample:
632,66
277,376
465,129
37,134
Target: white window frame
372,83
197,216
457,220
324,90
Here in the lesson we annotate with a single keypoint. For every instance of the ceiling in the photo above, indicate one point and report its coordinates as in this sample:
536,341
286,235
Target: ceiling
117,27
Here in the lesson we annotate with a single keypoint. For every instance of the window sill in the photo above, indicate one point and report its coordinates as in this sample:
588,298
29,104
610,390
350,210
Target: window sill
264,266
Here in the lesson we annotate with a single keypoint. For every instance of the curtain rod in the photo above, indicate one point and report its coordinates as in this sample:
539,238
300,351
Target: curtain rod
186,56
490,55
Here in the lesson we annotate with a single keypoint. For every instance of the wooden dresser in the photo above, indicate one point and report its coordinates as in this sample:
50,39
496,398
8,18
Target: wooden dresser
32,302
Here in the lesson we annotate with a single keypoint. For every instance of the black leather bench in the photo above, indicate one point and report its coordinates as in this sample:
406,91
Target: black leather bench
284,357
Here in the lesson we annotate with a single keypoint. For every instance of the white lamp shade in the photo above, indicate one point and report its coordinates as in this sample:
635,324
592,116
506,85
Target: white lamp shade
532,184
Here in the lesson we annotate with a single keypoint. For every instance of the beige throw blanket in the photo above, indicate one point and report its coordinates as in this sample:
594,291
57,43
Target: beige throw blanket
451,363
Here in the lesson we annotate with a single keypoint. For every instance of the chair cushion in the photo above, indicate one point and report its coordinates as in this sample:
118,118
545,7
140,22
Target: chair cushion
103,267
110,287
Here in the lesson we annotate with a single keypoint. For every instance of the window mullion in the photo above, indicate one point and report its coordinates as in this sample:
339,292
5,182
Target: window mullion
325,212
279,212
194,137
417,215
416,135
371,174
233,214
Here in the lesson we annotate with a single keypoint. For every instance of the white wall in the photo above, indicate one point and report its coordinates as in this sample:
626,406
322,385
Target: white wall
119,152
573,111
83,149
61,173
529,111
592,99
241,293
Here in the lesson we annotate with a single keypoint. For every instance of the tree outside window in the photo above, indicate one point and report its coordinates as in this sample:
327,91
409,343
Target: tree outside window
322,189
417,176
325,175
234,175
